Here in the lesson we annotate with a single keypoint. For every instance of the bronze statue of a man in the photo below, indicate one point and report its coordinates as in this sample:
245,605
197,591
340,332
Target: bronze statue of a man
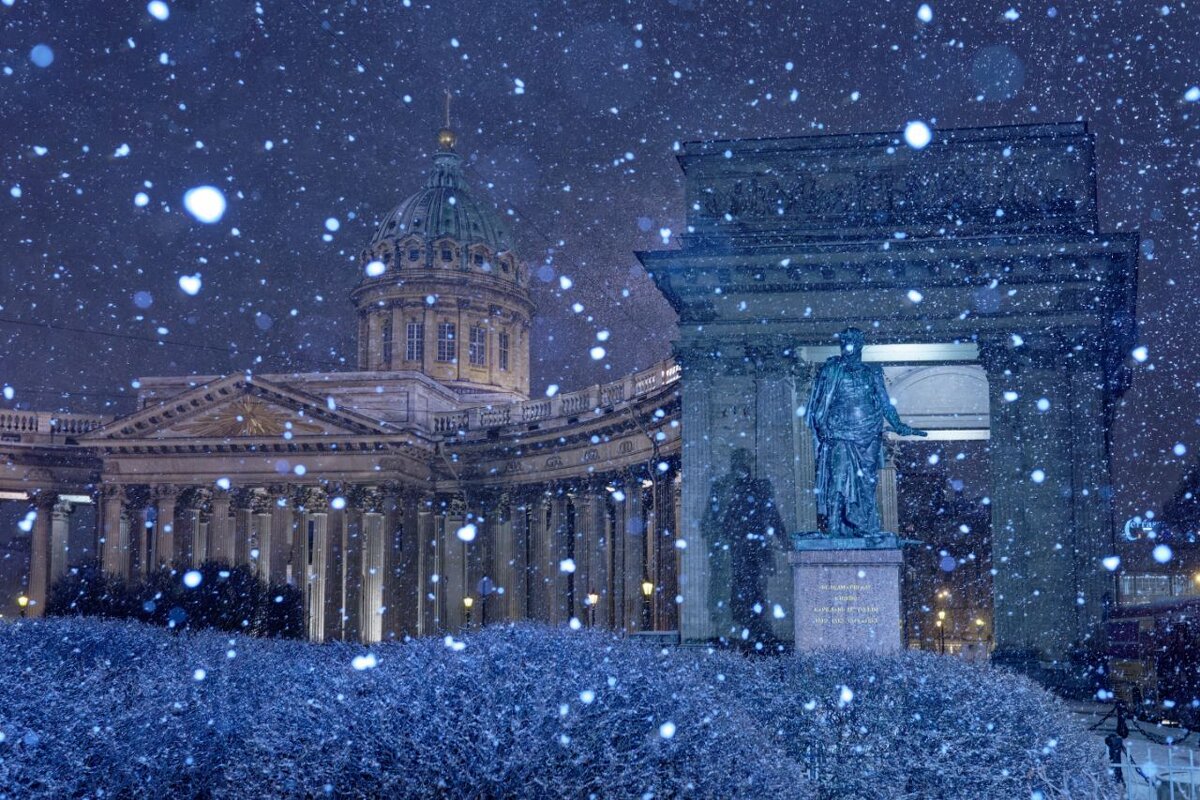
846,411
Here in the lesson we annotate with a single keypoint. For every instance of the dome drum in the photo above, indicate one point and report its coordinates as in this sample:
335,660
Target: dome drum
451,300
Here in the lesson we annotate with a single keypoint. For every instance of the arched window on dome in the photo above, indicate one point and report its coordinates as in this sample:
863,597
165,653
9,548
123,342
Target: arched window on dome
481,257
385,252
445,252
412,249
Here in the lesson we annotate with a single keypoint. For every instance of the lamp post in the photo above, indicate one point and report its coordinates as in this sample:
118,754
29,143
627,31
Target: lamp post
647,594
592,600
22,601
942,634
468,602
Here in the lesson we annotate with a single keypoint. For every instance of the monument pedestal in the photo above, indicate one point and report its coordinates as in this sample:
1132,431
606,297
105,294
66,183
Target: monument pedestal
847,596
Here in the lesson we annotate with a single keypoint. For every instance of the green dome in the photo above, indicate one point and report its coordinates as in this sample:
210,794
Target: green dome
445,207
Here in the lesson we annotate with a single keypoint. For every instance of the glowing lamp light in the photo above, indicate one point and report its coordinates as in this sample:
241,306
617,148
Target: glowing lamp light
22,601
468,602
647,588
594,598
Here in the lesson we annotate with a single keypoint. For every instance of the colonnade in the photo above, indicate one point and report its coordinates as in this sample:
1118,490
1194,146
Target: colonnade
377,562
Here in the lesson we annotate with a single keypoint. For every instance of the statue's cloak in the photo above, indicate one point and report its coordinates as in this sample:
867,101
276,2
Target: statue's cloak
849,438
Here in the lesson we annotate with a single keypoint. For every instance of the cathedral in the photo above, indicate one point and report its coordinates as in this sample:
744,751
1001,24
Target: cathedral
424,493
427,493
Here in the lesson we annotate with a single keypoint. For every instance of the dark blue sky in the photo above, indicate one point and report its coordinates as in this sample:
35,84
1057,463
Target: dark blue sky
349,96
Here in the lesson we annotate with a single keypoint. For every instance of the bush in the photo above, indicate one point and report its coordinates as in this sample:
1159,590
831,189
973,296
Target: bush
231,599
91,707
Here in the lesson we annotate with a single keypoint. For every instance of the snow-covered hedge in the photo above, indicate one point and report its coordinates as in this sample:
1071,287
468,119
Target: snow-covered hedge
100,709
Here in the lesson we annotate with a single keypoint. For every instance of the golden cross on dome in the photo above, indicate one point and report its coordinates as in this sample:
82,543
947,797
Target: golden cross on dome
446,137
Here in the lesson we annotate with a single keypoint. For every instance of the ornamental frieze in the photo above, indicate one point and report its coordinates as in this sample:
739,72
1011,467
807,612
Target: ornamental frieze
880,194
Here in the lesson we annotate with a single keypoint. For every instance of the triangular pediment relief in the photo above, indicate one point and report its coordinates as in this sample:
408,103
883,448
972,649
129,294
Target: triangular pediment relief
239,408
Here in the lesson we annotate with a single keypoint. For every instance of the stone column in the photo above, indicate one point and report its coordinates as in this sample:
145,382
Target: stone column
634,544
1033,498
373,566
1092,493
187,520
277,551
317,568
402,526
503,561
430,525
539,547
454,570
885,491
220,529
778,430
805,450
39,554
163,549
113,535
243,511
616,558
517,589
60,539
557,550
335,571
698,366
390,508
662,551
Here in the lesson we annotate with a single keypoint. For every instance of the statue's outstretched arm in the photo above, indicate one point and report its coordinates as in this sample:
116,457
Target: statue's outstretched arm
890,413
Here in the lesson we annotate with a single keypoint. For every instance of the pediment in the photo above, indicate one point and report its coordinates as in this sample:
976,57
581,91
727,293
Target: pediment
238,407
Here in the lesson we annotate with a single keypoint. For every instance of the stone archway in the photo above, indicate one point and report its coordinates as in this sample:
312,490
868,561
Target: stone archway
987,241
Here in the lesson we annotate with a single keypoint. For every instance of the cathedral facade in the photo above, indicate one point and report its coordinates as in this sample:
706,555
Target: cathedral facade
424,493
427,492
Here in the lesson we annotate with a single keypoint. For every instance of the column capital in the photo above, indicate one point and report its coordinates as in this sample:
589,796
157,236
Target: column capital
164,491
109,491
697,356
242,498
44,500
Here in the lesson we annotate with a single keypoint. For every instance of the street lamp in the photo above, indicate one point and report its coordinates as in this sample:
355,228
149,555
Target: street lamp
592,600
22,601
467,603
942,636
647,593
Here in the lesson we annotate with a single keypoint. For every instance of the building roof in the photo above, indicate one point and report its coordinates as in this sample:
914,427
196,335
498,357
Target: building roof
445,207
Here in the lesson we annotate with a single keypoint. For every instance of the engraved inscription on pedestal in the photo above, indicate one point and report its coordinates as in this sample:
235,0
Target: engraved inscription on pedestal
848,599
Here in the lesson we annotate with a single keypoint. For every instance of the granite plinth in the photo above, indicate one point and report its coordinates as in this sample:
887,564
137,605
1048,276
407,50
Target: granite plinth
847,598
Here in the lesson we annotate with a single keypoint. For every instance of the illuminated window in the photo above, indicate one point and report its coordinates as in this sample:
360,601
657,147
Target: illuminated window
414,349
445,342
477,347
387,343
502,348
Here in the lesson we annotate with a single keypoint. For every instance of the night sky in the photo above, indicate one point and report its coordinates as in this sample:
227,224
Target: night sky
568,114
